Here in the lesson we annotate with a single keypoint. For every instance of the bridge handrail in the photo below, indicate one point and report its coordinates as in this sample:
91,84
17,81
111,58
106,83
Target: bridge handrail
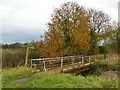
56,58
81,57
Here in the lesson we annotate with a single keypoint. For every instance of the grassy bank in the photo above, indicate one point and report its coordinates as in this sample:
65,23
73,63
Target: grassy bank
52,79
10,75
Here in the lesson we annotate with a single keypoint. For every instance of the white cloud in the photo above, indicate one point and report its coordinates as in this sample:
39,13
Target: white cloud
36,13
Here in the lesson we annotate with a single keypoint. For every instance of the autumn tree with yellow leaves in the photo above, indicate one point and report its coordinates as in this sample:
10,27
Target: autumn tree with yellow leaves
68,32
74,30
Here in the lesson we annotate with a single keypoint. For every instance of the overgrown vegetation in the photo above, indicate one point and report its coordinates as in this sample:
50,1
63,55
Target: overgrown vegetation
13,57
111,64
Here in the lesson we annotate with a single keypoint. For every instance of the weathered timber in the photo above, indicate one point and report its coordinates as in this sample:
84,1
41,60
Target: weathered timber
69,64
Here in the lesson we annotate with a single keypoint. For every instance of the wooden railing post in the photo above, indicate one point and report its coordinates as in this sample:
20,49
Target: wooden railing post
62,65
44,66
73,63
49,64
27,55
95,58
31,63
89,60
82,62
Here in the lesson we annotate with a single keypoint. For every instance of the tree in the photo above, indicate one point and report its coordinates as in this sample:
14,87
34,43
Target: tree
99,22
113,41
67,32
111,38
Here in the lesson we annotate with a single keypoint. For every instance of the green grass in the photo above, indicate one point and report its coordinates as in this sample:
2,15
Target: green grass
10,75
51,79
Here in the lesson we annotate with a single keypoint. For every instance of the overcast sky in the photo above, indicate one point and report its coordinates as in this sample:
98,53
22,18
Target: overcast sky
24,20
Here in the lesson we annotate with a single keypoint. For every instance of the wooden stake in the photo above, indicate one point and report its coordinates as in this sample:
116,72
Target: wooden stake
73,63
61,65
82,62
31,64
44,66
27,55
89,60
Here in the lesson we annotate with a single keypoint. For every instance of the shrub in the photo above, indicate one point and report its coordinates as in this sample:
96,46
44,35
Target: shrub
12,57
16,57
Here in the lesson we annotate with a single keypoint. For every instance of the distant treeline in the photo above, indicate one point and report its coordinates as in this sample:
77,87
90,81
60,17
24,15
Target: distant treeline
14,46
25,45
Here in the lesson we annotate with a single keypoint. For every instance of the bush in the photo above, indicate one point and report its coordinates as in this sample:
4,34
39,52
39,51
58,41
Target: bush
16,57
34,54
12,57
104,65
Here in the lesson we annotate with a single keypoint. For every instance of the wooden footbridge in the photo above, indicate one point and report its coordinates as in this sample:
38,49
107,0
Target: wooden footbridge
69,64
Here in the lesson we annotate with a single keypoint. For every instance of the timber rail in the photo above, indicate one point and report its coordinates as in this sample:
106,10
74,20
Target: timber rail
68,64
